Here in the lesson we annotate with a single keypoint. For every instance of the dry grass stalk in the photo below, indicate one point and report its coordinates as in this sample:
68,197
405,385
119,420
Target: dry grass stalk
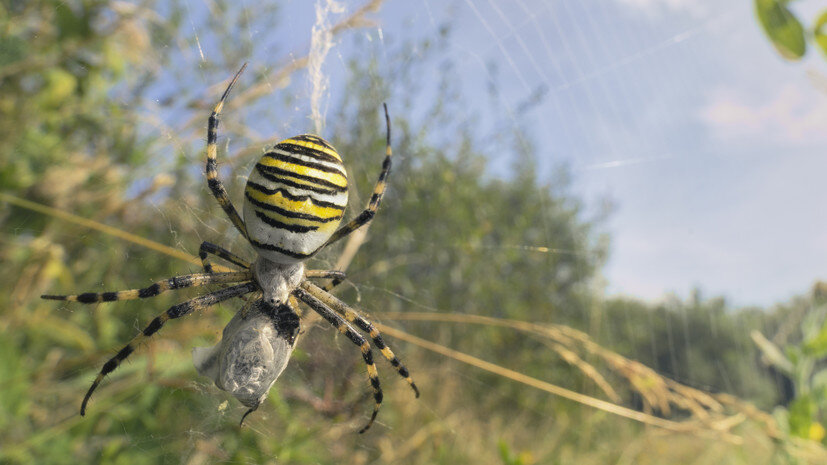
658,392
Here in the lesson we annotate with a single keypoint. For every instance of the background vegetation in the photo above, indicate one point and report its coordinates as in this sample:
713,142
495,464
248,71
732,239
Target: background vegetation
504,268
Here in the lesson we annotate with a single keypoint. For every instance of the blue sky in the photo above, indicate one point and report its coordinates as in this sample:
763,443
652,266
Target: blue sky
710,146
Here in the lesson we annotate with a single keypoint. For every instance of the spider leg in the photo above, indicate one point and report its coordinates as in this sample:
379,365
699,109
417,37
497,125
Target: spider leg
362,323
249,411
378,191
294,305
177,282
208,248
248,302
215,185
220,252
176,311
336,276
340,324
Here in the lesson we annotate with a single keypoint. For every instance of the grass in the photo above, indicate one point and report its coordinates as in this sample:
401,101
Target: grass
157,409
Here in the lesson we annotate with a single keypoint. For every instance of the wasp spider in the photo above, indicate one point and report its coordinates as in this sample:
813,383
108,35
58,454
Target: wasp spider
294,200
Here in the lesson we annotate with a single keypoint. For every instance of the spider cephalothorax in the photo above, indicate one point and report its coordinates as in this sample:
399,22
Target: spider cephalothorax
294,201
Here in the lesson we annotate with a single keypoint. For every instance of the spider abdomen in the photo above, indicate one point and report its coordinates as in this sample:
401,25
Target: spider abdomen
295,198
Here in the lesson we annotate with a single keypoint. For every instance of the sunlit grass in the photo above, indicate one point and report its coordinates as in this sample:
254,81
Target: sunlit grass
713,417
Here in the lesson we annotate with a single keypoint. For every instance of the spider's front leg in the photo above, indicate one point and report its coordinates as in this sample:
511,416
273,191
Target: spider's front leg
375,199
174,283
335,277
208,248
215,185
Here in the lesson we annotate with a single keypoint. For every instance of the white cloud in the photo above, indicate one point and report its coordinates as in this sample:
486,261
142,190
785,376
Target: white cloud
796,114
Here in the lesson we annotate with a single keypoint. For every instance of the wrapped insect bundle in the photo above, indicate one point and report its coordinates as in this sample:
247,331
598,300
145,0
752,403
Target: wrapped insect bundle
254,350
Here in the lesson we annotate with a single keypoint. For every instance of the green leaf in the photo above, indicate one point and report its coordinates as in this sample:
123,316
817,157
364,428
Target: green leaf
505,451
801,415
59,85
820,31
817,346
782,27
812,322
814,329
12,49
818,386
73,24
782,419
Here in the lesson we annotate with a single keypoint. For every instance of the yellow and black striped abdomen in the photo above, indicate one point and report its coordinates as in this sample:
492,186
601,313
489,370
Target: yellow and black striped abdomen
295,198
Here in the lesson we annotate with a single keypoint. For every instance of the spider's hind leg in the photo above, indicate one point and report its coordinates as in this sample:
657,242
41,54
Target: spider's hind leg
363,324
343,327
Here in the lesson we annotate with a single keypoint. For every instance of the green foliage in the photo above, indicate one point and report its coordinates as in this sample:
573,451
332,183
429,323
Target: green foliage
803,361
782,28
61,62
700,342
509,457
820,31
79,149
455,239
785,30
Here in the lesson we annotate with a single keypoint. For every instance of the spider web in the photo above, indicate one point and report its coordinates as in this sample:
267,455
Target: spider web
653,106
684,136
671,115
